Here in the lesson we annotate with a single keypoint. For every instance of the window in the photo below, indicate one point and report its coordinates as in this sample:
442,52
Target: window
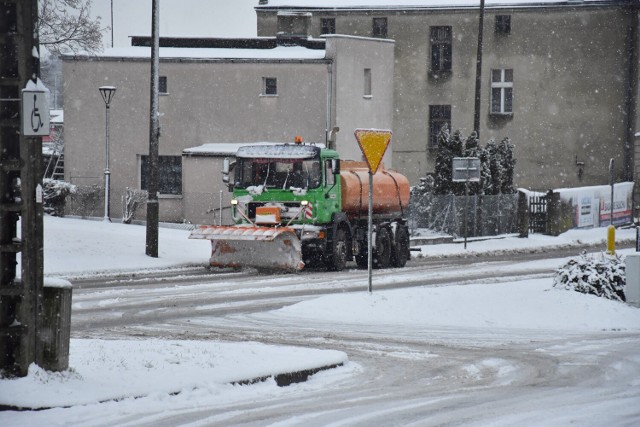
439,116
502,91
441,49
503,24
162,86
328,26
330,178
379,28
367,82
169,174
269,86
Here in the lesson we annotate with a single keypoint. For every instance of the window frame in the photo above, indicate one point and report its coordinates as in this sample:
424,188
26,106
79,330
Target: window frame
503,24
163,175
269,84
327,26
163,85
368,89
380,31
439,114
505,88
441,46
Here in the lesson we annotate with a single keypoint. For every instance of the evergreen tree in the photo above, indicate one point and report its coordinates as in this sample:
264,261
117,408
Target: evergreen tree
508,165
493,182
442,175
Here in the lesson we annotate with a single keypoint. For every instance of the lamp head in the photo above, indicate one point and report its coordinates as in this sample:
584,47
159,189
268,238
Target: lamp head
107,93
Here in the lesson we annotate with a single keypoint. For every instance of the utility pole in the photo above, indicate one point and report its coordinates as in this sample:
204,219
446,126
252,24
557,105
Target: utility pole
20,191
476,111
154,136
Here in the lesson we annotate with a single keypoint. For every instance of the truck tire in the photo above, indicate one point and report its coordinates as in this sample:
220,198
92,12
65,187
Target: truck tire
400,253
338,259
383,249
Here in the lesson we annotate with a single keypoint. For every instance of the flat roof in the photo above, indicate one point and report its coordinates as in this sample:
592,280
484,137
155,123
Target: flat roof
426,4
276,53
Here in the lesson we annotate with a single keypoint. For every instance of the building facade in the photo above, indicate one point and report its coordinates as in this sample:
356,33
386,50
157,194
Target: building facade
247,90
560,78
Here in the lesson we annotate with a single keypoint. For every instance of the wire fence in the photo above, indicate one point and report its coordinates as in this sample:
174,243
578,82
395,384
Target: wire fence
485,215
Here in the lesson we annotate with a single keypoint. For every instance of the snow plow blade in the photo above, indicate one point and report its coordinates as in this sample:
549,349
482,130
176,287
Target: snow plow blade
260,247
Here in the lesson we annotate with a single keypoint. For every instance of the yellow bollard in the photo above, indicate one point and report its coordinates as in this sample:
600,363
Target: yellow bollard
611,240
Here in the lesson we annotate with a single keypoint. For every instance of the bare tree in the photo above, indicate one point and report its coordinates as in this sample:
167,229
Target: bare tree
66,26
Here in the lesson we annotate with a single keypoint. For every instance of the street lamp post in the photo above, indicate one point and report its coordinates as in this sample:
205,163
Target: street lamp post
107,93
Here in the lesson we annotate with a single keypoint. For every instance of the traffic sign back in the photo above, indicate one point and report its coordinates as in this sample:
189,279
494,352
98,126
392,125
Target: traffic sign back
373,143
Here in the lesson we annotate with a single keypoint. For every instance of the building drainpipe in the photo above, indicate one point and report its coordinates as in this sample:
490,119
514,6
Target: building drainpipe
329,142
631,97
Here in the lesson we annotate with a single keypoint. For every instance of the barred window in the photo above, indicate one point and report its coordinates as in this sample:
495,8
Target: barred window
269,86
441,49
503,24
379,28
439,116
169,174
328,26
162,85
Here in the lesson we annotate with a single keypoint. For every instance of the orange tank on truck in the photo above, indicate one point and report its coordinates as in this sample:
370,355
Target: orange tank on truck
390,190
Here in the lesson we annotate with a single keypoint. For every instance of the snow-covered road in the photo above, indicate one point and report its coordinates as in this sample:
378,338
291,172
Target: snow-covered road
460,340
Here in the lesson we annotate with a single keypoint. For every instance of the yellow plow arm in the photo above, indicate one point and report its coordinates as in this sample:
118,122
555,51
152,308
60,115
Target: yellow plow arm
260,247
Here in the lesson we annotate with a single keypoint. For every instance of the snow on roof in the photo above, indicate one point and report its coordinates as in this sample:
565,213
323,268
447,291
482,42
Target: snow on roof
288,151
221,148
280,52
403,4
228,148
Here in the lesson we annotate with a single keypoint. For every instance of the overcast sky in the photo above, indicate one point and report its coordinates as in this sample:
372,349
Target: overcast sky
211,18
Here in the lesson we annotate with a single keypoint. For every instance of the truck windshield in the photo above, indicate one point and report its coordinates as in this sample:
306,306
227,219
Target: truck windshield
278,173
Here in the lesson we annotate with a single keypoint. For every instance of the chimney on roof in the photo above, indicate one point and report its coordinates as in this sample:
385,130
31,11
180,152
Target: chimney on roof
292,26
263,2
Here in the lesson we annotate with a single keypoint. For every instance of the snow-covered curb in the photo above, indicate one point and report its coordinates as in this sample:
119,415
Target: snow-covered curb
104,370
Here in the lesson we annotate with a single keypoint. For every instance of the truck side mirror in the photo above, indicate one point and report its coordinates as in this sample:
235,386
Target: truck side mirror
335,166
225,170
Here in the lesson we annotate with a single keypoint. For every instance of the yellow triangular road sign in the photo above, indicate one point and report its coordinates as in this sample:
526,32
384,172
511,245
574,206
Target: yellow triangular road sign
373,143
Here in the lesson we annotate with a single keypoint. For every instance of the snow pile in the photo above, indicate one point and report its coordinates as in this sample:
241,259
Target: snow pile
103,370
526,305
601,275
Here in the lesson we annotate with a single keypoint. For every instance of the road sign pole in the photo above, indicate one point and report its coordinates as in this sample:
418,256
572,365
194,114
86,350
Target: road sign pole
370,233
373,144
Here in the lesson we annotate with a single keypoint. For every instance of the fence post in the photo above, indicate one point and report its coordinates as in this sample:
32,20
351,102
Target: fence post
553,213
523,215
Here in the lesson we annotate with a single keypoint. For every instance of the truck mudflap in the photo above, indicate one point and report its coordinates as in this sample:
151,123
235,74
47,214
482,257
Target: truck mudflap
260,247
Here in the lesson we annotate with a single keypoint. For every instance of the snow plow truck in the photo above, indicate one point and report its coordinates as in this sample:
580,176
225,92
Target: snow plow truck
299,204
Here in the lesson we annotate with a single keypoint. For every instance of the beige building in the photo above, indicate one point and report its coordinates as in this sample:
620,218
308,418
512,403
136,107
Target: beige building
219,91
560,78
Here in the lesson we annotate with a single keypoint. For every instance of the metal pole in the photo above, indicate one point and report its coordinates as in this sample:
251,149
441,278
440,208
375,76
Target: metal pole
370,233
111,23
476,113
107,171
154,135
611,182
220,212
466,202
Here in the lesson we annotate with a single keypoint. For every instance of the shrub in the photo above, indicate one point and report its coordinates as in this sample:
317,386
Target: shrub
54,193
603,276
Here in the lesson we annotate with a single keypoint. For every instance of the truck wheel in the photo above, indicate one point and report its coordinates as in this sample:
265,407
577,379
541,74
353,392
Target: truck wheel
338,259
382,251
400,253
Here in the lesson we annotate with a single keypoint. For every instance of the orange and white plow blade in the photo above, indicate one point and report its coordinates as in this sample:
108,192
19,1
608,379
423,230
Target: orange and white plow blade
260,247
